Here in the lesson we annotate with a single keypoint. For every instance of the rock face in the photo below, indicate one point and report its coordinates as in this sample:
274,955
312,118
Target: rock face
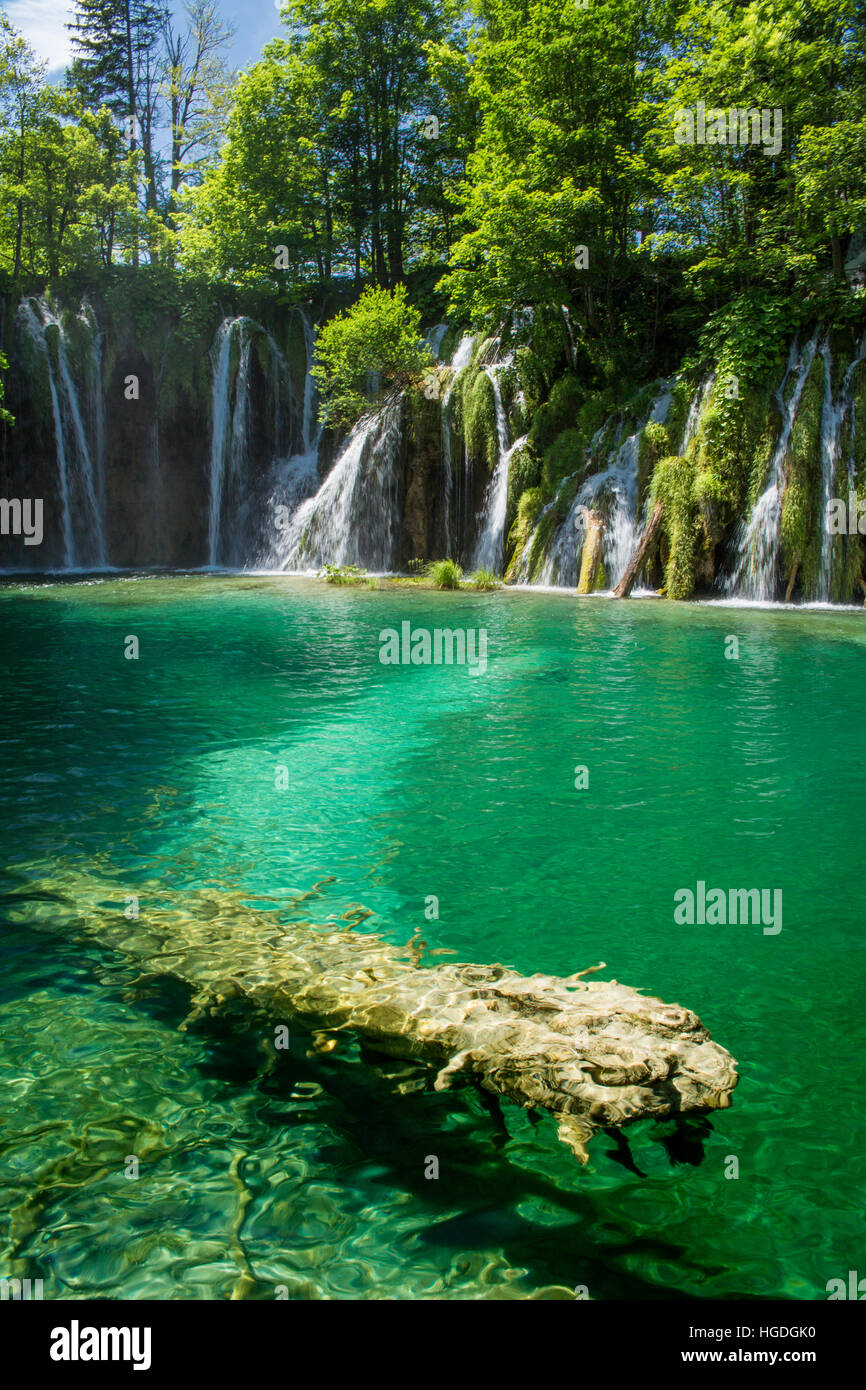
128,420
595,1054
113,406
117,451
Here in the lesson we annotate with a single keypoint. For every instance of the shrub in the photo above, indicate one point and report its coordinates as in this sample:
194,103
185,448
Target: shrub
380,334
484,579
343,574
445,574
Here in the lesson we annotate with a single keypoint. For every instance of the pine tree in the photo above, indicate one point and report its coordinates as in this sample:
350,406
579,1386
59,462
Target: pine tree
118,66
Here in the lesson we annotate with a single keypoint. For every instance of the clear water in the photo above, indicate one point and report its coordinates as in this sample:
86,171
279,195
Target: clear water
405,782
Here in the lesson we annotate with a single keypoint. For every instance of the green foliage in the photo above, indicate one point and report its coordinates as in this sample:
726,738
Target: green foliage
343,575
654,445
5,417
524,473
327,154
529,507
444,574
801,520
482,579
380,334
674,485
558,413
476,416
564,456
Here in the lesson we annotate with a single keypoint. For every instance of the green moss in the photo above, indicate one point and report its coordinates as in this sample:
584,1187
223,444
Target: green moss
476,417
557,414
524,473
653,445
563,457
802,520
682,396
539,542
674,486
527,509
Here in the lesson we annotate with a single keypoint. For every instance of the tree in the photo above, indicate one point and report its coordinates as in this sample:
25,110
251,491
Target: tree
21,101
196,85
558,186
334,148
118,65
379,335
65,200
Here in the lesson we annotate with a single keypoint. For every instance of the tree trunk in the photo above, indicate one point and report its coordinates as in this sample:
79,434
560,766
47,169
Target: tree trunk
595,1054
591,556
792,581
636,563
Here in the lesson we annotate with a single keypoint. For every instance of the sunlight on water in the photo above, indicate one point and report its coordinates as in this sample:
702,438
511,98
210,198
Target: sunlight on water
307,1173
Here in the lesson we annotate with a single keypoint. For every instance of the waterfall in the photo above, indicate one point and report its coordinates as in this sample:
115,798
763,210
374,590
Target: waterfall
310,443
354,518
612,488
489,547
434,337
296,478
220,418
696,410
572,345
460,360
238,511
80,482
833,417
755,574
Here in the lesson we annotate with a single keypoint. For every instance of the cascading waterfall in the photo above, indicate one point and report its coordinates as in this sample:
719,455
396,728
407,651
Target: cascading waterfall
572,345
354,518
489,547
80,481
433,339
461,358
220,417
237,511
833,417
755,574
309,441
696,410
296,478
612,489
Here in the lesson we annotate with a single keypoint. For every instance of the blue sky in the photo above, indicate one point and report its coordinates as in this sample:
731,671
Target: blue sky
42,22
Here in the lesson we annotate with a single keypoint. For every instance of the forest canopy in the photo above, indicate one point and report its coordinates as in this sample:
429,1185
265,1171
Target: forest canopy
646,165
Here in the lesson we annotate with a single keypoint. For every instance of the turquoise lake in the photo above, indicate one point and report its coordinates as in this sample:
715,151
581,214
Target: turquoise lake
407,783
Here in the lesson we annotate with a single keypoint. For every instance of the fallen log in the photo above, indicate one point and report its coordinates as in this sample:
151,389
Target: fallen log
636,563
590,558
595,1054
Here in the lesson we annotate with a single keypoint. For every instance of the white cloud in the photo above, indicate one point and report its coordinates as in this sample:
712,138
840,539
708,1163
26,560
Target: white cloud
43,24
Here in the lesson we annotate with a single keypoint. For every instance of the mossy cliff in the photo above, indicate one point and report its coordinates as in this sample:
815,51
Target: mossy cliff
701,435
128,367
708,462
